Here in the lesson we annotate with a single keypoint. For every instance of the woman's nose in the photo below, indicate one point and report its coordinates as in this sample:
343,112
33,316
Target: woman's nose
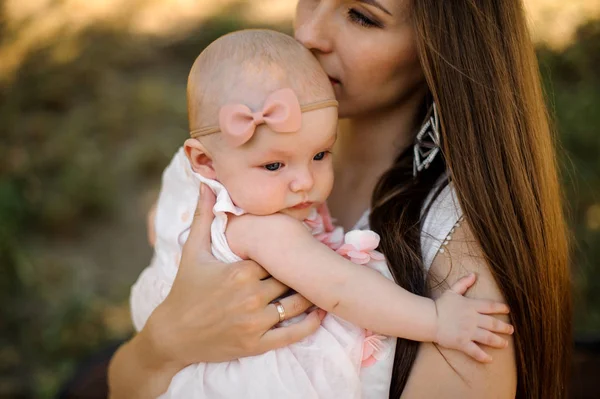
302,181
313,28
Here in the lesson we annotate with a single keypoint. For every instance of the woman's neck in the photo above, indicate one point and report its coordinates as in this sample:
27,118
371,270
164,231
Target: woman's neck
368,144
367,147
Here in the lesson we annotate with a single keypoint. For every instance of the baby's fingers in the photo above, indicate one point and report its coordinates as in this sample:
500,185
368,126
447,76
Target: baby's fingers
493,324
491,307
490,339
463,284
473,350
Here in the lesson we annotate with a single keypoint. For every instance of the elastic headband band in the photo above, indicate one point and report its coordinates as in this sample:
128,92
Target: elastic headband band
281,112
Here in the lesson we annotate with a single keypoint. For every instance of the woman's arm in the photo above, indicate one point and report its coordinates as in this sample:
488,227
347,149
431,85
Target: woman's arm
136,371
214,312
359,294
440,372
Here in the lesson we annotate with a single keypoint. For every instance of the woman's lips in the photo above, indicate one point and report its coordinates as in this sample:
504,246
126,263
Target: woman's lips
303,205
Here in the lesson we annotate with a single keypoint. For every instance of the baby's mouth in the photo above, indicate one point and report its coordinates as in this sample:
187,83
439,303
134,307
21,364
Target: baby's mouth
303,205
333,81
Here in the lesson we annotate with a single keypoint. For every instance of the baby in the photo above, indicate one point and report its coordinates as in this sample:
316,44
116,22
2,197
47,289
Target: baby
263,121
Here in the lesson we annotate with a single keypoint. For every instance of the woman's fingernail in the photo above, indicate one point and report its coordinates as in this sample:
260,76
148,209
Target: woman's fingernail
202,188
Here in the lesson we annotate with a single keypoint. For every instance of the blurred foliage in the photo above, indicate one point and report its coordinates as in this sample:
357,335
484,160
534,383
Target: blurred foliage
572,80
79,133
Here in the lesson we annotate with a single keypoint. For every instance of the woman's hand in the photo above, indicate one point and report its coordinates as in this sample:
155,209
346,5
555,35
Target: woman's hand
215,312
150,225
218,312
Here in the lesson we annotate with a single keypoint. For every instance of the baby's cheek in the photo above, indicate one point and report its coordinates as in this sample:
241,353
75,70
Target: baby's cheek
325,182
257,200
328,185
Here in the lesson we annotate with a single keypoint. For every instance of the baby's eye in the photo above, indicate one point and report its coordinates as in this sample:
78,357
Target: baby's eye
273,166
320,156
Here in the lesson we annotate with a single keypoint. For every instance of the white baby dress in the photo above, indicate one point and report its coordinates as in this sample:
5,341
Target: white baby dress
340,360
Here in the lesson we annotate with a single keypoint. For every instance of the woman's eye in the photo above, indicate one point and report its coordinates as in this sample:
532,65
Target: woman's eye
320,156
361,19
273,166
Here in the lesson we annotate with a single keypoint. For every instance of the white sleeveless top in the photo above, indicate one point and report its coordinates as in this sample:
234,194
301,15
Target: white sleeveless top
436,230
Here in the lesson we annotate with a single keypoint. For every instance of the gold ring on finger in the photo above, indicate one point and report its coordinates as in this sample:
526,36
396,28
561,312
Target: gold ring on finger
280,310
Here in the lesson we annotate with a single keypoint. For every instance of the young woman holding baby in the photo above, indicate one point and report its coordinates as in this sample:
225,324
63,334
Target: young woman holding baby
490,200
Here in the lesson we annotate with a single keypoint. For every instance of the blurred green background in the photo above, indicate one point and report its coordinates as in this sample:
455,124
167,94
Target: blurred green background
92,107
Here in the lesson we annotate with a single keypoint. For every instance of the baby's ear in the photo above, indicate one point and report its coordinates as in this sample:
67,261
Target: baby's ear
199,158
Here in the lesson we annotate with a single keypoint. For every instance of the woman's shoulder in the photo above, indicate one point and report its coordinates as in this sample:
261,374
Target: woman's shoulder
441,214
456,374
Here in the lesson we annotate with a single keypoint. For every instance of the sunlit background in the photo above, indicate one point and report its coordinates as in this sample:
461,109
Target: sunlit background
92,107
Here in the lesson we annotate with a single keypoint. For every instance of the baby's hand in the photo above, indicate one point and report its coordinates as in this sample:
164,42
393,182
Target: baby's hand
463,321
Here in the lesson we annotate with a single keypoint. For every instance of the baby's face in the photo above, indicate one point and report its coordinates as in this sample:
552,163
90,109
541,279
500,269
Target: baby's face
275,172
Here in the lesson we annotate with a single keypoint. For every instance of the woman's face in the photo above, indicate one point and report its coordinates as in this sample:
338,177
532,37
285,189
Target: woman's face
366,47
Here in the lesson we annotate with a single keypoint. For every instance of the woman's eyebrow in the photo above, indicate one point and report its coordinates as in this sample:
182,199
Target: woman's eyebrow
375,3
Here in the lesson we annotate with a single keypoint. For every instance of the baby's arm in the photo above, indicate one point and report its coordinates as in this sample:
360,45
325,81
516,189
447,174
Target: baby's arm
287,250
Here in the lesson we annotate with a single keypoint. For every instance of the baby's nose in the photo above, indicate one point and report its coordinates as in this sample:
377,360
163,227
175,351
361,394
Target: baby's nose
303,181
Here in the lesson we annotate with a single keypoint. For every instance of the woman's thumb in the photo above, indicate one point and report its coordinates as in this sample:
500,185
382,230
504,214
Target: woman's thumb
199,237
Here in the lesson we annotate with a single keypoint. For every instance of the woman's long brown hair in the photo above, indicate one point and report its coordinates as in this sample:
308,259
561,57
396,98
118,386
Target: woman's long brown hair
498,152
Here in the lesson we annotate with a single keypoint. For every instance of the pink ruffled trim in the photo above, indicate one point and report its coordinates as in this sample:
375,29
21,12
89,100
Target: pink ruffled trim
374,348
321,225
359,246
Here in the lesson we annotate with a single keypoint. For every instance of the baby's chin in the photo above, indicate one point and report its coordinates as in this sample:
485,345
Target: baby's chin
298,214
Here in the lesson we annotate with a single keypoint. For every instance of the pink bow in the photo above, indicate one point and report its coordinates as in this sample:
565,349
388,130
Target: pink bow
281,112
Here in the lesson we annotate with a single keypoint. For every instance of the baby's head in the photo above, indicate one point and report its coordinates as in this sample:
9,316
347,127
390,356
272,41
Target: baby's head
283,165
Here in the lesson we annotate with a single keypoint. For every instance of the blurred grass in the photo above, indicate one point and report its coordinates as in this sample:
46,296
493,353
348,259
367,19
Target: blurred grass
85,137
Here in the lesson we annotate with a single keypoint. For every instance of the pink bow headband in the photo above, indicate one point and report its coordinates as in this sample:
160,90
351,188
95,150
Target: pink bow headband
281,112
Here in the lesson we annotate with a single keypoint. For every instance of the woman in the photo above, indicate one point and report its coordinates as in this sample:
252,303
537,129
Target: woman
493,182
